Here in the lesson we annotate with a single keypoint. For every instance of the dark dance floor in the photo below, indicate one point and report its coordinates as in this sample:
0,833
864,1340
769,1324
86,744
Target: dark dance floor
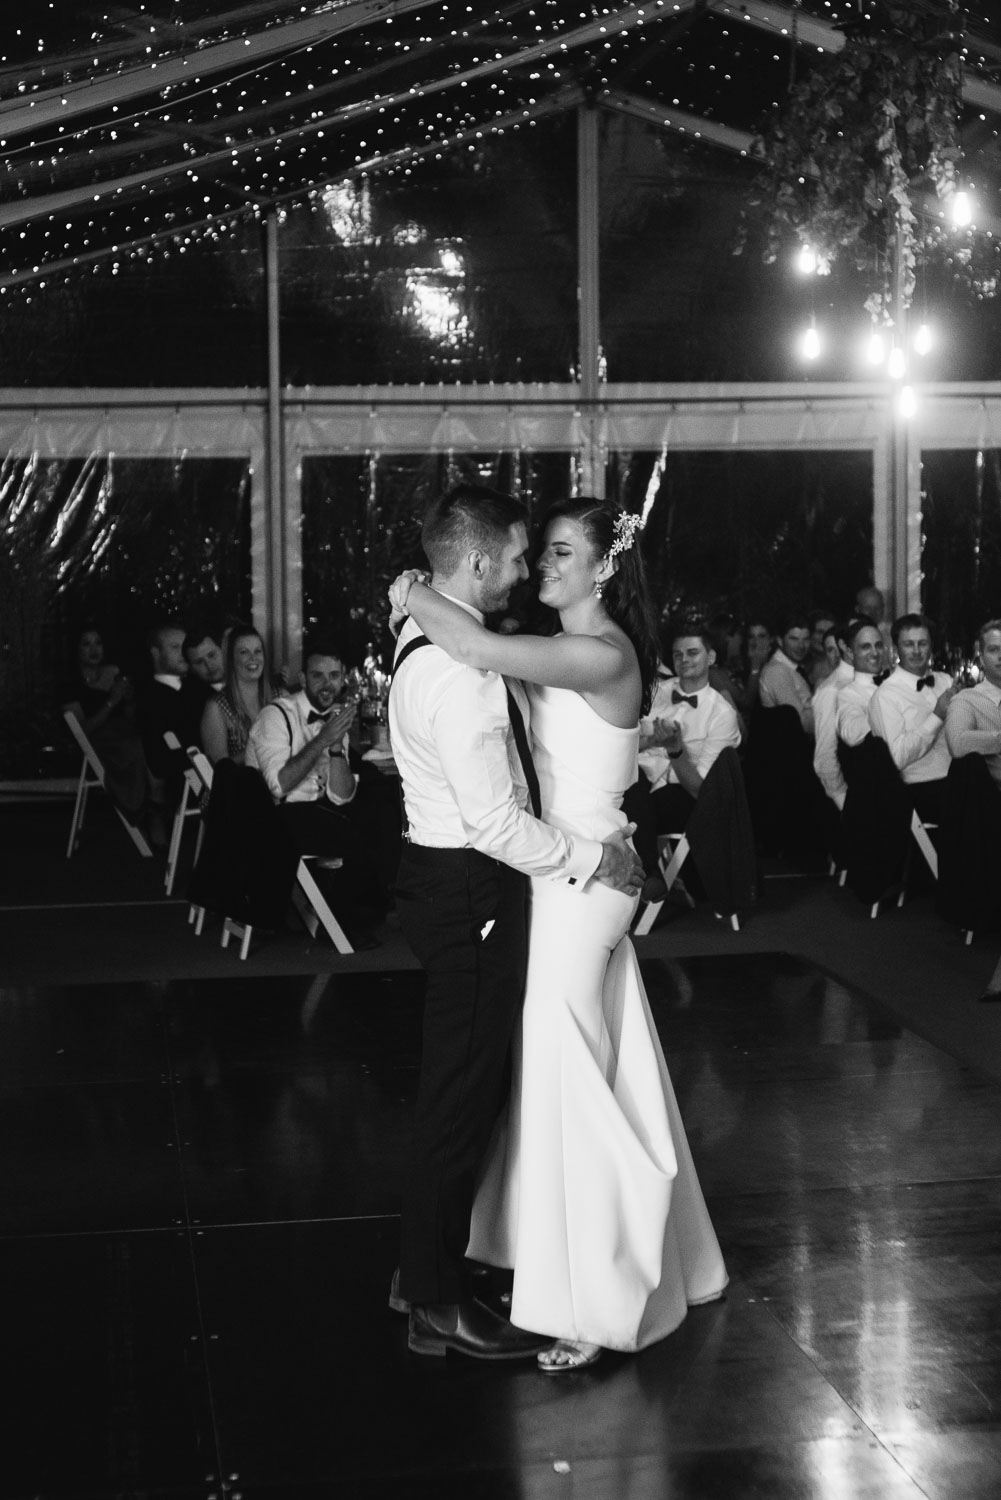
198,1229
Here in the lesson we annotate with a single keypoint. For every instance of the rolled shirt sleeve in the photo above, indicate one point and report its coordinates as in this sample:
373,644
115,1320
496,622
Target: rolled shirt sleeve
268,747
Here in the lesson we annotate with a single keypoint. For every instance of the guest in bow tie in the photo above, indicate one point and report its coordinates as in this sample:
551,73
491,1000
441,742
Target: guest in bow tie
784,678
300,746
864,640
689,724
908,711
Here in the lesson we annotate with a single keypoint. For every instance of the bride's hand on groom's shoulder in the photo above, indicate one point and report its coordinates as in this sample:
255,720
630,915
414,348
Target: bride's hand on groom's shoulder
620,866
399,592
399,589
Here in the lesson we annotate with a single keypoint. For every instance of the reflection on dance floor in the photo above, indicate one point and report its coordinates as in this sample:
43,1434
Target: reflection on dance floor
198,1229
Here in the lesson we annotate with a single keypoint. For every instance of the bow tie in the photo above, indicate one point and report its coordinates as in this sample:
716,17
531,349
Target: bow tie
923,682
677,697
315,718
879,677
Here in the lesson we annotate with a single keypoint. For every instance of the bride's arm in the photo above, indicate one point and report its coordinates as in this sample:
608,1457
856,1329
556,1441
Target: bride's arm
585,663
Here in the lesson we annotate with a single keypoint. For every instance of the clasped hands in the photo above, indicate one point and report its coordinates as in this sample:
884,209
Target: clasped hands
399,592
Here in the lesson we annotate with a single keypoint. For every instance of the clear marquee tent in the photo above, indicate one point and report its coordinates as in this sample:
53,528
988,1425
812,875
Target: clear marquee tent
270,272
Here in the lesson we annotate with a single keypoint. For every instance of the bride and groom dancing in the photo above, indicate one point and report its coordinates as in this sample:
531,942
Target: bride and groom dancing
582,1180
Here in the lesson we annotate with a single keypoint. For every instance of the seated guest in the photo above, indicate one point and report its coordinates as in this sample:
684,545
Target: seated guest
864,640
689,725
973,717
161,707
820,663
759,644
227,717
104,702
870,601
300,746
203,652
784,680
908,712
825,717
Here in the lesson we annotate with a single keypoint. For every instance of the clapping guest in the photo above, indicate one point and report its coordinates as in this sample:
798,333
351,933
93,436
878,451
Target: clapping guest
229,714
689,726
908,712
104,702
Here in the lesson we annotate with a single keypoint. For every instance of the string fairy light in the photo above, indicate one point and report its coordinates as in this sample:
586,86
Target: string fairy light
262,103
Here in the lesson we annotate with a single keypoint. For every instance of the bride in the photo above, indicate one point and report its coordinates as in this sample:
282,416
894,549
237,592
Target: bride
589,1192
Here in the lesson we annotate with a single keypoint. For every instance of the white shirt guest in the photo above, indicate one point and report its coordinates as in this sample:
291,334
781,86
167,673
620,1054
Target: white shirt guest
783,680
868,651
280,732
973,718
706,722
908,712
825,728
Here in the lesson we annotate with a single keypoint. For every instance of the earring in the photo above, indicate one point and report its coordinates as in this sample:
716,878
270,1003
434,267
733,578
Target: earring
597,590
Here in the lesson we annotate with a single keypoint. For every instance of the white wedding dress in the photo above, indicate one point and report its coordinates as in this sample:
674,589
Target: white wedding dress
590,1191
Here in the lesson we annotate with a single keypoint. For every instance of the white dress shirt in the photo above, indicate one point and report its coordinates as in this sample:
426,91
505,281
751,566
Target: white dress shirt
782,682
853,708
906,719
706,730
973,725
825,728
281,731
463,783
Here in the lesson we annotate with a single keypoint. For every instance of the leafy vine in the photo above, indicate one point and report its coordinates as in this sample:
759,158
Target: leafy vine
861,138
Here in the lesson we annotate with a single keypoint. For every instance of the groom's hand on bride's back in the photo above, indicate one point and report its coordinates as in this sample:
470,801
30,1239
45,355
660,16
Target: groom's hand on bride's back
620,866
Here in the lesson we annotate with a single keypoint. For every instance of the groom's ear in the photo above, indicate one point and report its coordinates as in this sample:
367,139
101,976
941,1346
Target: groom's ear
478,562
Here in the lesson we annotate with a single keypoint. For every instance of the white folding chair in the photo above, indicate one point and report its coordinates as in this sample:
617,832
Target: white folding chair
674,849
308,899
919,833
92,775
201,770
188,807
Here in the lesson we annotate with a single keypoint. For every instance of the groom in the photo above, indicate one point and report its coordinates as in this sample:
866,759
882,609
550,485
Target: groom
460,740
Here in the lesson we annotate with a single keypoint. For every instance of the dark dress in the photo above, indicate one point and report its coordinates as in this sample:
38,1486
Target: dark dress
117,742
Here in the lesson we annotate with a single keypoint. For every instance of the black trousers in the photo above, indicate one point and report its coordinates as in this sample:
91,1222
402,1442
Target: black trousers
464,916
665,810
322,827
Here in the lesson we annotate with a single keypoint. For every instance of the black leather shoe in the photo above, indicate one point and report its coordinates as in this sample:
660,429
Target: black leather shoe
397,1303
469,1328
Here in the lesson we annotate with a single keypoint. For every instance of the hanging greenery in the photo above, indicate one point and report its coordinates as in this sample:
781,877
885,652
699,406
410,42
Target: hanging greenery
868,132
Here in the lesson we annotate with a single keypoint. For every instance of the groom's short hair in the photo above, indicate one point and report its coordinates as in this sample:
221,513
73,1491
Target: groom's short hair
468,516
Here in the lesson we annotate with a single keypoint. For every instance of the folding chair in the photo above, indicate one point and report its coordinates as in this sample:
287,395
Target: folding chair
92,775
674,850
307,898
188,807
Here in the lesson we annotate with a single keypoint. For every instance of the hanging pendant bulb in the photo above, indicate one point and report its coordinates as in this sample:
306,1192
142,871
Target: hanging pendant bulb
923,340
811,342
875,349
961,209
897,364
806,261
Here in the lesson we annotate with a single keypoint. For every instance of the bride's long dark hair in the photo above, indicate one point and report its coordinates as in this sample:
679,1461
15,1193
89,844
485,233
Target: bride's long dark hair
626,595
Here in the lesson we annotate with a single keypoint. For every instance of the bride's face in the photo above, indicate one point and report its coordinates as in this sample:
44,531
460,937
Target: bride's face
567,568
